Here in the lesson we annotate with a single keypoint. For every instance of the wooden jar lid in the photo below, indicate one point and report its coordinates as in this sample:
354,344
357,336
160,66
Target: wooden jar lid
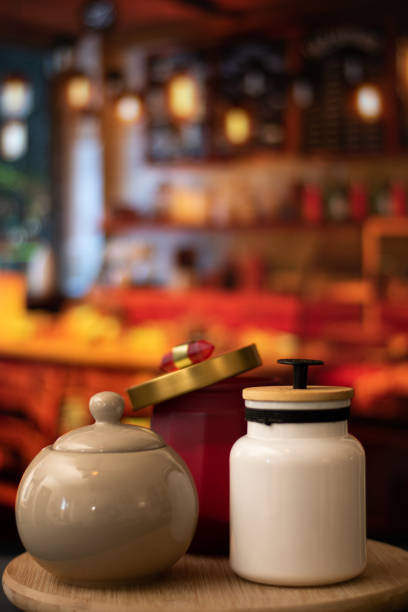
313,393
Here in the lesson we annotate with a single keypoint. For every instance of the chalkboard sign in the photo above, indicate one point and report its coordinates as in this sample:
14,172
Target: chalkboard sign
247,76
169,138
252,75
337,63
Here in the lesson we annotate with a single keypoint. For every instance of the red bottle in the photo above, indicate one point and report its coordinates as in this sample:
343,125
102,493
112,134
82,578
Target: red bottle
398,200
312,204
358,202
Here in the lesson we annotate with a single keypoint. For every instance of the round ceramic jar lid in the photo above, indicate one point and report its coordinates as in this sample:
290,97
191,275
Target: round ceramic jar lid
107,434
194,377
312,393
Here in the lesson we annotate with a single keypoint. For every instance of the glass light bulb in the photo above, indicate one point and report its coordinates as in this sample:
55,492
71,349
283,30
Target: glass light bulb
369,102
78,91
129,108
183,97
13,140
16,97
237,126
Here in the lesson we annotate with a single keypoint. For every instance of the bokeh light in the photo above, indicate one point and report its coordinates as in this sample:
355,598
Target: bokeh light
369,102
237,126
13,140
78,91
129,108
16,97
183,97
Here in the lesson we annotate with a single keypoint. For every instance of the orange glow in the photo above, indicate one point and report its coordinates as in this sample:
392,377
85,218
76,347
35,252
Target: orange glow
369,102
237,126
16,97
183,97
78,91
188,206
402,66
129,108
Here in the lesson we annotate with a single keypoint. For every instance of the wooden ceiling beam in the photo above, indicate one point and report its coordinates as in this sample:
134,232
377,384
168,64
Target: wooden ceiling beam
17,32
137,25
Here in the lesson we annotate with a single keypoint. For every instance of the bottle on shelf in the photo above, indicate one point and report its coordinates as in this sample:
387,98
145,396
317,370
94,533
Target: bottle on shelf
43,292
398,197
312,203
337,205
184,273
358,201
381,200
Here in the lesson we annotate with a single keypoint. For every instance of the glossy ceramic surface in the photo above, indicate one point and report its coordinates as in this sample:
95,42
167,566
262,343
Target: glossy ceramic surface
298,503
104,516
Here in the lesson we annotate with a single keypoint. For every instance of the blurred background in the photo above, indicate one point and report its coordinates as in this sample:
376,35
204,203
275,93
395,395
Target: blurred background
234,170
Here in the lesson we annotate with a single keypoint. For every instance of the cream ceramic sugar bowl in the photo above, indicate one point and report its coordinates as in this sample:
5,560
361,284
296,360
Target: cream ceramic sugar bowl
297,487
107,502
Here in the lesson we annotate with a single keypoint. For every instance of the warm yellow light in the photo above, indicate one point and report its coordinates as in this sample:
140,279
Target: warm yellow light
16,97
13,140
188,206
183,97
129,108
369,102
237,126
402,67
78,91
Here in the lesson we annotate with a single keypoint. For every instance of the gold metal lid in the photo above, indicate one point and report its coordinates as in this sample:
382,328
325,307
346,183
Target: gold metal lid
194,377
313,393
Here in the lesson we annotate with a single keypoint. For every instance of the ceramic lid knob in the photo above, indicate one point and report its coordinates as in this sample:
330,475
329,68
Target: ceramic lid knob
108,434
107,407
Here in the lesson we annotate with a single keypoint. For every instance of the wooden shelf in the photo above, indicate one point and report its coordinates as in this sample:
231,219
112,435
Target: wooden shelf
257,157
118,226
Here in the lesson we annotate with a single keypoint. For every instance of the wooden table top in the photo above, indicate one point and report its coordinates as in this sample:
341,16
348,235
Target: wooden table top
207,584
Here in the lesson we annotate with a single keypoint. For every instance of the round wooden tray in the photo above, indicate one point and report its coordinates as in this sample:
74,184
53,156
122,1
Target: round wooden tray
207,584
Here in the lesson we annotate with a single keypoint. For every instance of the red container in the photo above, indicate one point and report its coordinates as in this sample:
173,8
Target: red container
398,200
312,204
202,426
358,202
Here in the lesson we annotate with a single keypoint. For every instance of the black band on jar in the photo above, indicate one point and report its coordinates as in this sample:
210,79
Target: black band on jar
269,416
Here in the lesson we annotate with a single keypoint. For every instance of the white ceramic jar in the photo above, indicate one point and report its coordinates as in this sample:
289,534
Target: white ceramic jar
297,489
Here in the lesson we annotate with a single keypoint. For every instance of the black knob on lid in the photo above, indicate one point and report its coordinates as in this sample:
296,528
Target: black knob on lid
300,367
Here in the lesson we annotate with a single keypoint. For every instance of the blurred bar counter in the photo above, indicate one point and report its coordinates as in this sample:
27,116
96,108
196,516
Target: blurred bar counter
50,364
